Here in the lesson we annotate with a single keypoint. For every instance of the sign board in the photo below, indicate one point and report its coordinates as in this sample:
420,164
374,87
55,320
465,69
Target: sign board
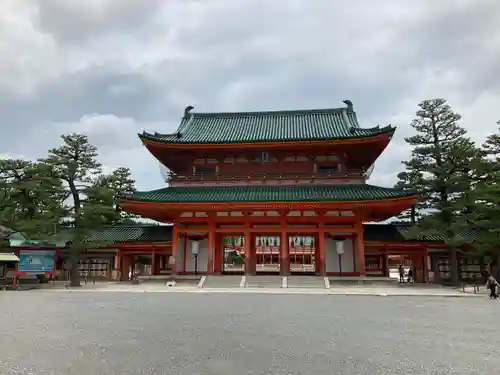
37,261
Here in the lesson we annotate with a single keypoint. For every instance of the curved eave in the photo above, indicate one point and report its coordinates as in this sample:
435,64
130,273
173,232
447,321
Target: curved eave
149,140
399,203
384,212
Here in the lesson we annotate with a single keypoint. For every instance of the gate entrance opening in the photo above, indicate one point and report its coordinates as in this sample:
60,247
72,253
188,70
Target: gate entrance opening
233,250
302,254
267,252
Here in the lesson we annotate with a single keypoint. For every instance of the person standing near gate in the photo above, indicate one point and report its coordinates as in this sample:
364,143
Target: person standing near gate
401,274
410,275
492,285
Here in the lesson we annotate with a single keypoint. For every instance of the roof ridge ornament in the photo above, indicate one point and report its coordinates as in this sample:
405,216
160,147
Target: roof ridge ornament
188,109
350,106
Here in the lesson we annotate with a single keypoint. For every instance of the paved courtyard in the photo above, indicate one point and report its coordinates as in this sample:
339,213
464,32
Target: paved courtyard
45,332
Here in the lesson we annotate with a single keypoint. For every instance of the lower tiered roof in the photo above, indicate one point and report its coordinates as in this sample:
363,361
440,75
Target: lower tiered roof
120,234
166,204
307,193
391,232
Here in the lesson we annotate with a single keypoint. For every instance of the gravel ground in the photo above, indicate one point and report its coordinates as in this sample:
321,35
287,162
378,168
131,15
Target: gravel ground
158,333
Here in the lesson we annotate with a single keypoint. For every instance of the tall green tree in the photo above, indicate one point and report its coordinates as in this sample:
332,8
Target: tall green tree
30,197
486,214
441,166
89,203
412,181
121,183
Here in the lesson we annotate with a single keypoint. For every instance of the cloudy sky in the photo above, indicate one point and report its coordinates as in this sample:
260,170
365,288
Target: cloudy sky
112,68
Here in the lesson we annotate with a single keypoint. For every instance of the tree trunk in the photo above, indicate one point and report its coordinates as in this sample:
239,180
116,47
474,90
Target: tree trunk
495,270
74,273
484,269
413,215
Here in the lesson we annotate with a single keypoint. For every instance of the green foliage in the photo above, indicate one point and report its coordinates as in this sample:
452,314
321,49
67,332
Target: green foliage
443,169
410,181
120,183
67,188
90,196
4,243
486,215
30,197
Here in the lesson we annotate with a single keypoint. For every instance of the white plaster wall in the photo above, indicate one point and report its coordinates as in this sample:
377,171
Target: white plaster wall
202,256
332,258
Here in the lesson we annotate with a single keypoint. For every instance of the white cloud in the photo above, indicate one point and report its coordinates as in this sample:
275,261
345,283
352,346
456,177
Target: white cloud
113,68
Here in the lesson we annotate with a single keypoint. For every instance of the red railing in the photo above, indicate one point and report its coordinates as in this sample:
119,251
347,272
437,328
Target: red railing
351,173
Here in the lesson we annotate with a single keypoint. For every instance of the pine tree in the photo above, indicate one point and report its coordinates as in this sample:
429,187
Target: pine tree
30,197
411,181
441,167
122,184
90,206
486,215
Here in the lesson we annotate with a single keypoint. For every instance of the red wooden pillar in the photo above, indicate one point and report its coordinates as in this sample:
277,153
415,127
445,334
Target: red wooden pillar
317,263
321,261
218,253
211,248
116,274
124,267
175,251
250,261
132,266
184,252
154,262
387,272
360,243
16,270
284,252
426,264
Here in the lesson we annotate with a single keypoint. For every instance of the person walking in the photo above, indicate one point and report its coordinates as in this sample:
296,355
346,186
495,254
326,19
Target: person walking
410,275
492,285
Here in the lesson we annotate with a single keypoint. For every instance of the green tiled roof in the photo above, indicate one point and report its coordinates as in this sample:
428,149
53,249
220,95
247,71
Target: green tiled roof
276,126
120,234
317,193
133,233
467,235
399,232
391,232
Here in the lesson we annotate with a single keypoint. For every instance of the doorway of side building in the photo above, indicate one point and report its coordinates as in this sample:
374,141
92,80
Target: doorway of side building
302,250
414,262
233,254
267,253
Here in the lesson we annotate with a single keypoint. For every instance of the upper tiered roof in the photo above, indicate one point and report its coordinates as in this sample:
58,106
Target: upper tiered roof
271,126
